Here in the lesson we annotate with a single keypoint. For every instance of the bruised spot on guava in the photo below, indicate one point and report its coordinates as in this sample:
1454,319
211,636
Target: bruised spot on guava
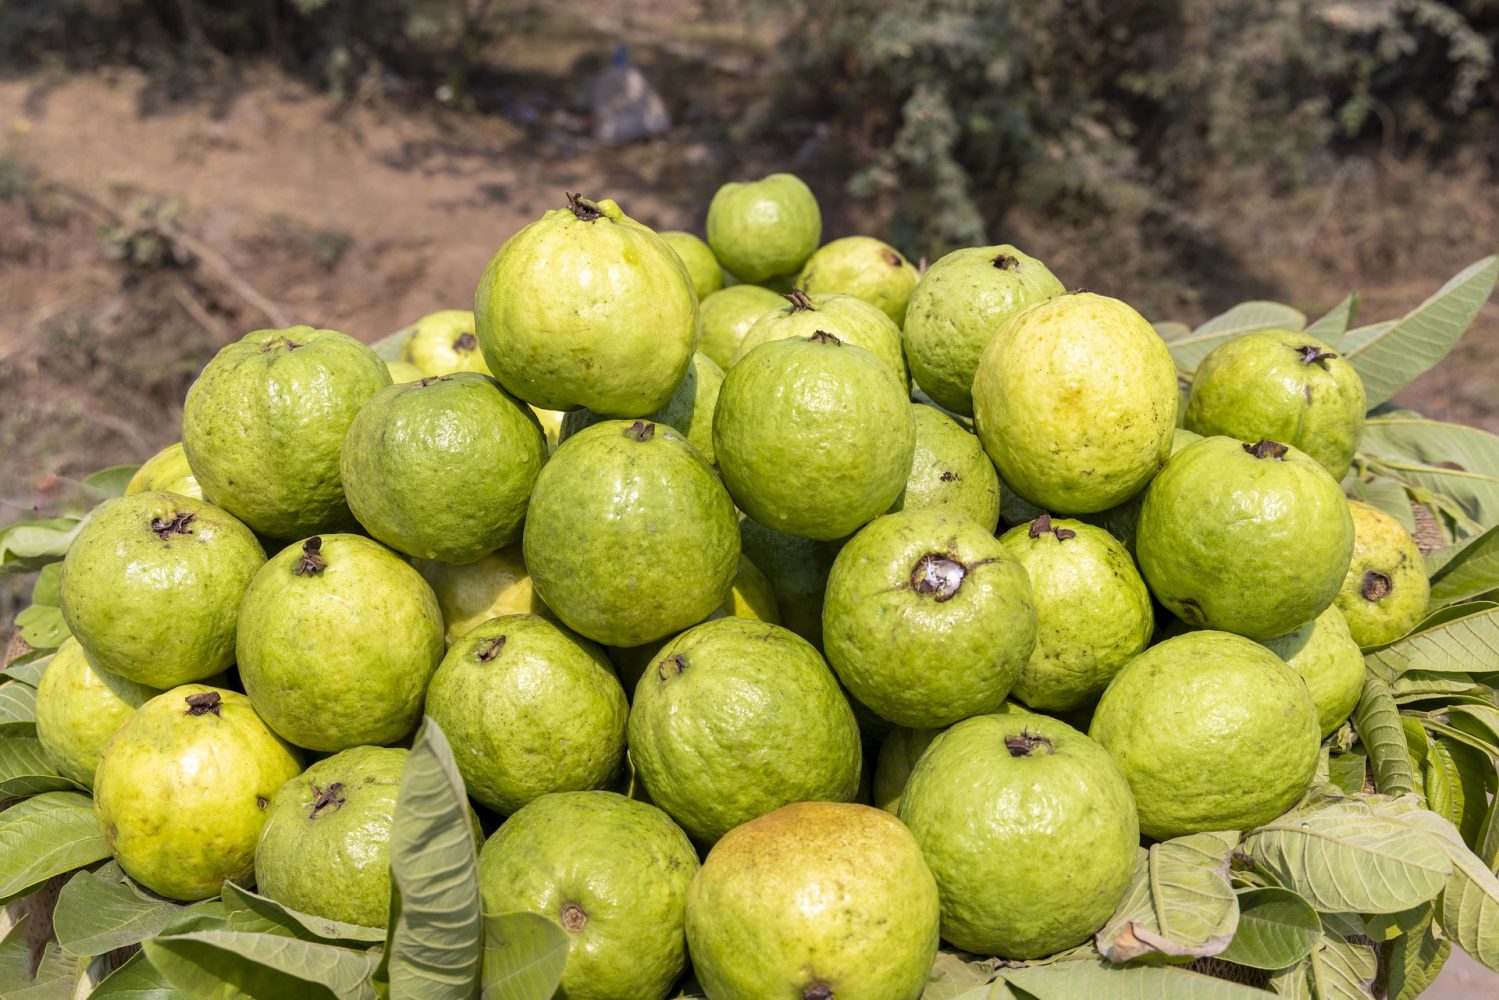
892,258
1027,743
800,300
1265,448
585,210
640,430
313,561
1310,354
166,527
1191,612
1376,586
818,991
491,649
1005,262
938,576
573,917
949,476
326,800
671,667
204,703
466,342
823,337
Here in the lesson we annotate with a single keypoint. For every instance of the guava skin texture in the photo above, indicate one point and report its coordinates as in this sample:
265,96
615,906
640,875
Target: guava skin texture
928,619
442,468
737,718
338,638
1093,611
1075,401
183,787
702,267
494,585
78,708
725,317
764,229
529,708
1252,539
151,587
814,437
797,569
1386,589
264,424
814,900
1213,731
587,307
865,268
689,411
613,873
851,320
1029,828
166,471
1123,521
949,471
1325,655
442,343
899,752
630,536
956,308
1285,386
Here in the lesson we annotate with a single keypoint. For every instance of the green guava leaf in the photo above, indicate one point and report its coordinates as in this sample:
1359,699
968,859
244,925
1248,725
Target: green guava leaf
24,769
1477,779
28,668
1472,570
17,710
136,980
110,482
957,974
1330,328
1469,908
1246,317
1179,902
1454,461
1480,721
227,964
15,956
1336,969
1101,981
29,545
998,990
1441,616
1415,958
1348,771
1458,645
48,586
306,926
1386,493
47,835
98,912
42,626
524,955
56,977
1277,929
1377,721
1424,685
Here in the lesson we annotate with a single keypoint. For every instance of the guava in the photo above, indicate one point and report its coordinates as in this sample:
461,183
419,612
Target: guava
614,873
493,585
814,437
949,471
151,587
630,536
764,229
727,316
1386,589
264,423
442,468
702,267
899,752
587,307
797,569
166,471
1286,386
1029,828
1123,521
78,708
442,343
816,900
403,371
737,718
1325,655
864,267
927,619
1246,538
338,637
956,308
1213,731
1093,611
551,425
689,411
182,790
851,320
529,708
1075,401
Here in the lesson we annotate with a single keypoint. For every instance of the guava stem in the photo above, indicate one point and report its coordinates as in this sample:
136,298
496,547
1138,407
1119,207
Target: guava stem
313,561
491,649
278,343
671,667
326,800
427,380
1006,262
823,337
205,703
1042,525
1026,743
640,430
573,917
584,209
1265,448
1311,354
800,300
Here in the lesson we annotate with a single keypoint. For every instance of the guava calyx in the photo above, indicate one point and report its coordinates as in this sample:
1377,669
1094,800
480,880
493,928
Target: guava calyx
1265,448
823,337
671,667
166,527
1376,586
313,561
640,430
466,342
585,210
1042,525
1006,262
892,258
1027,743
573,917
204,703
491,649
818,991
427,380
800,300
1311,354
938,576
326,800
279,343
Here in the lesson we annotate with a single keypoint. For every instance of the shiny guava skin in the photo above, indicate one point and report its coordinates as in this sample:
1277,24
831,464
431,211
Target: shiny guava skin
494,585
78,708
1256,546
737,718
613,873
442,343
1123,521
1325,655
152,583
864,267
949,470
815,899
813,437
689,411
955,310
1075,401
1285,386
725,317
1093,612
264,423
702,267
403,371
928,619
1386,589
899,752
587,307
182,789
850,319
338,638
629,535
797,569
764,229
1029,828
442,468
1213,731
166,471
529,708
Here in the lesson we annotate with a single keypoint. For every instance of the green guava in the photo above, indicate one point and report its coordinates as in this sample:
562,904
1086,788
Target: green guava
1253,539
702,267
614,873
864,267
166,471
851,320
182,789
442,343
264,423
151,587
551,425
587,307
727,316
957,307
1075,401
927,619
689,411
629,535
764,229
78,708
1213,731
1324,654
737,718
814,437
442,468
403,371
797,569
1286,386
1386,589
949,471
899,752
338,637
529,708
1030,830
493,585
816,900
1123,521
1093,611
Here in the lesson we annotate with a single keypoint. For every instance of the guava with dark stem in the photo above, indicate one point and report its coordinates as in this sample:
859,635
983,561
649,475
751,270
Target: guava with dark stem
865,268
850,319
1385,592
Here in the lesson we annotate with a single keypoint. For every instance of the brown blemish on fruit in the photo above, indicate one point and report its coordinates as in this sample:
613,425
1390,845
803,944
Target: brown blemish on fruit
1265,448
1311,354
818,991
938,576
177,524
1026,744
1191,612
949,477
1042,525
585,210
1376,586
326,800
800,300
823,337
279,343
573,917
892,258
313,561
1005,262
640,430
671,667
427,380
491,649
205,703
465,342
